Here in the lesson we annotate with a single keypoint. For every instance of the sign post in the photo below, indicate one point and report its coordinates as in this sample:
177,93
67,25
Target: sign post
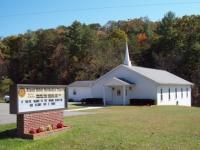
39,109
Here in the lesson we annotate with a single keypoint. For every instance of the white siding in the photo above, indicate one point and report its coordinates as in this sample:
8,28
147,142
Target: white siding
183,98
81,92
143,89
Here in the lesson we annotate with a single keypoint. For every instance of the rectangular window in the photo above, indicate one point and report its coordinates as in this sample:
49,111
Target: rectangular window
161,94
187,92
181,92
74,92
118,93
176,93
169,94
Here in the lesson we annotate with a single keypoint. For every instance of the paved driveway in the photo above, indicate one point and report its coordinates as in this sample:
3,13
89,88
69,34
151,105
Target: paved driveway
6,117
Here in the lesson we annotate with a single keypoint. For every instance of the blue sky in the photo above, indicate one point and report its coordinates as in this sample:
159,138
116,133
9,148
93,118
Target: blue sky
17,16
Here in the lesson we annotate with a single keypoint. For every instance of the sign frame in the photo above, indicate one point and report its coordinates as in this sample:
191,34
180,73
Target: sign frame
14,109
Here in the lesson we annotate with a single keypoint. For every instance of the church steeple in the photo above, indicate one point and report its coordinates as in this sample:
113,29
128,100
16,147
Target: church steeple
127,59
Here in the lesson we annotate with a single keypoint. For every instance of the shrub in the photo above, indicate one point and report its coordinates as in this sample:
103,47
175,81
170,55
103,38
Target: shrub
60,125
141,102
40,129
70,100
49,127
92,101
32,131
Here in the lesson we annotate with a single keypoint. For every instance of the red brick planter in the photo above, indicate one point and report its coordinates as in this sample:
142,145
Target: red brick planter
45,133
36,120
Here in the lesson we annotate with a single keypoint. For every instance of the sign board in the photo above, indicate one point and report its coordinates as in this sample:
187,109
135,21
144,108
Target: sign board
34,98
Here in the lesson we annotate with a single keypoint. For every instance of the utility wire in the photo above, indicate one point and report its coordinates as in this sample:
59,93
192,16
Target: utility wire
97,8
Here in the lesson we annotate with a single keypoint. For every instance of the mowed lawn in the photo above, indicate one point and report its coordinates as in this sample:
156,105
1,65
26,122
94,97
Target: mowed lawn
118,127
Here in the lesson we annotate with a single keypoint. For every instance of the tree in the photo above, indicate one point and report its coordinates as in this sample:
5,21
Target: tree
5,85
84,52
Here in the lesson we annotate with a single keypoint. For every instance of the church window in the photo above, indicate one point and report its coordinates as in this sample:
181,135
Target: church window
118,92
74,92
169,92
181,92
176,93
161,94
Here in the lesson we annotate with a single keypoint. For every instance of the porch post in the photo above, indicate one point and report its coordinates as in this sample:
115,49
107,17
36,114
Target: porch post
104,96
124,95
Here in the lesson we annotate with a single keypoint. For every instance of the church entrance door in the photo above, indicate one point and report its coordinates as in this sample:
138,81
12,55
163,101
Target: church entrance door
117,96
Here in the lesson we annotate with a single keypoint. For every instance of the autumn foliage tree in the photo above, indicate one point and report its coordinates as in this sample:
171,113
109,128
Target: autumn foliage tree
85,52
141,38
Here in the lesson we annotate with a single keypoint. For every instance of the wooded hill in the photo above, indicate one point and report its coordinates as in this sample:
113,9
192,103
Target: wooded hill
85,52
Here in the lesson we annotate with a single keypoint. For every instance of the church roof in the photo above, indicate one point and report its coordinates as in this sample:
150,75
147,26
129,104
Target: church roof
160,76
81,83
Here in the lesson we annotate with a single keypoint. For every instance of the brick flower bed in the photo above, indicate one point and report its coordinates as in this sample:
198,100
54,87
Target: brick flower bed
40,124
45,133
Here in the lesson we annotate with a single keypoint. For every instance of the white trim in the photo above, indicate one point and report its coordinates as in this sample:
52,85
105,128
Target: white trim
104,96
124,95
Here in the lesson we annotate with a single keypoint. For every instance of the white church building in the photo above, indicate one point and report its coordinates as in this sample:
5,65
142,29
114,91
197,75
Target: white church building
127,81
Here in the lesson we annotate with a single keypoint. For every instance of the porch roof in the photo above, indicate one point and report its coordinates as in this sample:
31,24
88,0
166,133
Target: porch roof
118,82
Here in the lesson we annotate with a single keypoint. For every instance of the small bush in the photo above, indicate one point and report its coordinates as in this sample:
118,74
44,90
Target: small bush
40,129
92,101
60,125
70,100
49,128
32,131
141,102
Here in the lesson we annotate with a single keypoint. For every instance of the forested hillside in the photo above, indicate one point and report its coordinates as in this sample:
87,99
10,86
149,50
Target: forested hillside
85,52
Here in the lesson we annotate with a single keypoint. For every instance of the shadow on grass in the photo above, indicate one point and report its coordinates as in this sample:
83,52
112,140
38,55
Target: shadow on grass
12,133
88,105
78,104
107,105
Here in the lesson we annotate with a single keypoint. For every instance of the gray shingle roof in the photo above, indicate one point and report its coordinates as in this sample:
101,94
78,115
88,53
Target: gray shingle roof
81,83
160,76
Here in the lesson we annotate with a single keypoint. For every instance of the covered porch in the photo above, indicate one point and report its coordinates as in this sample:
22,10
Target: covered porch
117,91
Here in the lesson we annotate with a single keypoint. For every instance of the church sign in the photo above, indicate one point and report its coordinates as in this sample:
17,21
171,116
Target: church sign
39,109
31,98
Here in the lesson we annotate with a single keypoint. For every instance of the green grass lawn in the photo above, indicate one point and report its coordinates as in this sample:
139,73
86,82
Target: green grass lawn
119,128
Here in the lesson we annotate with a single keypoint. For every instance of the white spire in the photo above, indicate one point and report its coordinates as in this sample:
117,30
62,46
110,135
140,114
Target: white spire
127,59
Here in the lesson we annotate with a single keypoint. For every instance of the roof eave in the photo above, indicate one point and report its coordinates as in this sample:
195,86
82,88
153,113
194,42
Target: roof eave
188,84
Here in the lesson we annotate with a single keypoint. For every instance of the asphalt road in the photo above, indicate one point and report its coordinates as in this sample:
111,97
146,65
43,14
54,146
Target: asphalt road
6,117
